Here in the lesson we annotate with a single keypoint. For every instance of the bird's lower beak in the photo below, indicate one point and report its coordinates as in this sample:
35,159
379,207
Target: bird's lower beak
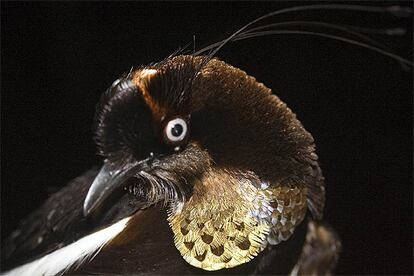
109,179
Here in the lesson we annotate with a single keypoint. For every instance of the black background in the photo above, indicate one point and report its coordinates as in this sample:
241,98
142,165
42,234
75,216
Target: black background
58,57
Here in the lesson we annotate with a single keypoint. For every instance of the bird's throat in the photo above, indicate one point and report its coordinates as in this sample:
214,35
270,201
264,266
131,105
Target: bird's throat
219,226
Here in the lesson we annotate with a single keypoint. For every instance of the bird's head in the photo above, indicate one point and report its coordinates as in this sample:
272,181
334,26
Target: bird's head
231,162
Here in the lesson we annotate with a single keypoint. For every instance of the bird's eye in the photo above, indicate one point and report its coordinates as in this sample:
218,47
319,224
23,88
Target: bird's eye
176,130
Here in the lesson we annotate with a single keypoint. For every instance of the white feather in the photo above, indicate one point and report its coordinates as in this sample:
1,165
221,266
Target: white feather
75,253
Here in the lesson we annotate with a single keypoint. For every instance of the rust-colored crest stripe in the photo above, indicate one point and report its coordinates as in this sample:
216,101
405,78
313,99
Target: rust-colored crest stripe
141,79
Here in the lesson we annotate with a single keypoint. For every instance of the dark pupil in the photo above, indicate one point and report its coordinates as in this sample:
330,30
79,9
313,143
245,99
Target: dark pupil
177,130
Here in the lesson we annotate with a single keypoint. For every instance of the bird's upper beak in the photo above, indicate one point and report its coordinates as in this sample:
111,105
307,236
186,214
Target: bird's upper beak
109,179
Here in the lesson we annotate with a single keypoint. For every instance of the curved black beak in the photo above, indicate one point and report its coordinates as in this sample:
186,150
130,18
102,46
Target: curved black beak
109,179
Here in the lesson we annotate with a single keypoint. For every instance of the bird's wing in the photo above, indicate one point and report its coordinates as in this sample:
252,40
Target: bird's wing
320,252
48,228
146,246
57,223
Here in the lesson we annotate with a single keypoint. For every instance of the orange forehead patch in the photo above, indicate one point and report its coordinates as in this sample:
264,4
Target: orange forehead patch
141,78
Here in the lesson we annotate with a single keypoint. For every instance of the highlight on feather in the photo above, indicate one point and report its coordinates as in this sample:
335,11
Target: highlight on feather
72,255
